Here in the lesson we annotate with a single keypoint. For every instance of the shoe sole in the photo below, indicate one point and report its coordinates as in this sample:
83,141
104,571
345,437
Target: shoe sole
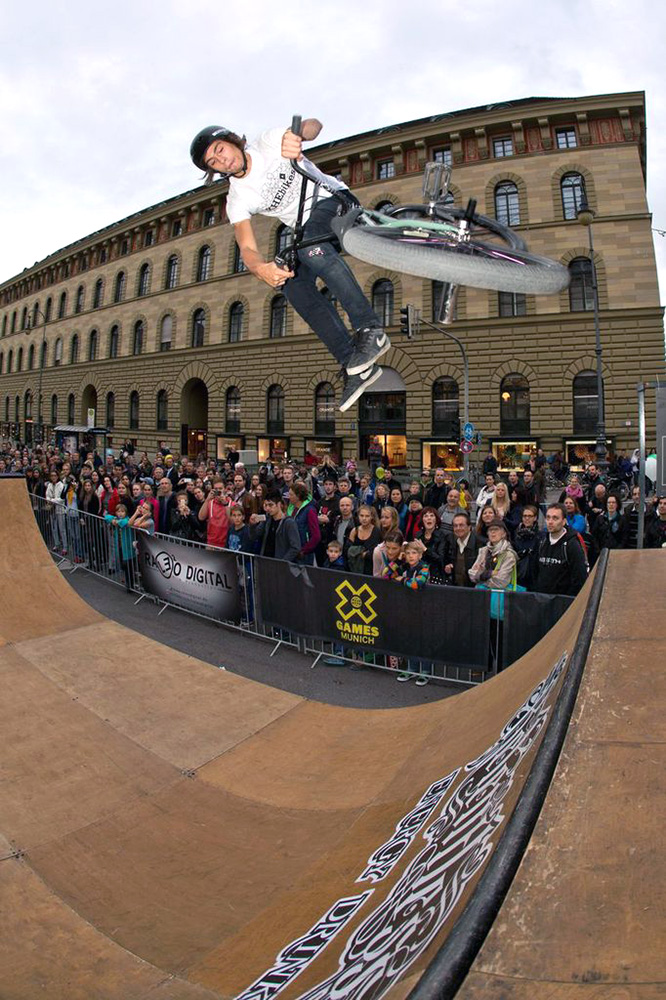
357,369
361,389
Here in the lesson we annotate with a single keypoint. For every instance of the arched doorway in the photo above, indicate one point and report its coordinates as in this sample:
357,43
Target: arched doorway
194,418
89,406
382,417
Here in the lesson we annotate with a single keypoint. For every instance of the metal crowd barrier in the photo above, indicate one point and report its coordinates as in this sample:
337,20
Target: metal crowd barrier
79,540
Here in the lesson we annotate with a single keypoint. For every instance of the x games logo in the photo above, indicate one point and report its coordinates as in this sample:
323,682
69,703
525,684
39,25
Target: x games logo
356,603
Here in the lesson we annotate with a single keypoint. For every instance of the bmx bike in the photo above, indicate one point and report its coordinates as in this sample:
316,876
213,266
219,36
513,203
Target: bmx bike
430,240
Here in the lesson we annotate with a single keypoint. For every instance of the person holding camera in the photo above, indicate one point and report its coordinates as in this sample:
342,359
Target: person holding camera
214,511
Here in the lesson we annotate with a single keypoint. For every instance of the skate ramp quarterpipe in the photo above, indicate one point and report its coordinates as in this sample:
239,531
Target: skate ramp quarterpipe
170,830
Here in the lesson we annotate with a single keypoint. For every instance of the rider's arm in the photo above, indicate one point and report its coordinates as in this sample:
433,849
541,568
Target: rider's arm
270,273
310,129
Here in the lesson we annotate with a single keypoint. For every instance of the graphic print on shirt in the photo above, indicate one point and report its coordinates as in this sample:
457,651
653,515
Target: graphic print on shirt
278,189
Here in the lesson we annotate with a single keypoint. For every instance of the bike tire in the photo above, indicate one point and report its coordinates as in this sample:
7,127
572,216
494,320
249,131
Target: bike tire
461,264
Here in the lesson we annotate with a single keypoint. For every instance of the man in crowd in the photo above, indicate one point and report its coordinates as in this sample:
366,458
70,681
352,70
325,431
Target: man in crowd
436,493
449,510
485,493
276,534
655,534
561,562
214,511
462,550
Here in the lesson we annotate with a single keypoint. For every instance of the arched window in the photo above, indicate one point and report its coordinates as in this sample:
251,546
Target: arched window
585,402
203,264
71,408
514,405
507,208
581,286
278,316
19,359
114,341
134,411
6,409
572,187
137,340
239,266
78,302
17,410
27,405
445,407
57,353
54,410
324,422
198,328
4,325
97,293
24,318
13,330
166,332
110,410
283,238
171,278
275,409
232,410
236,313
43,354
31,357
10,362
35,314
162,410
2,361
62,305
92,345
74,350
119,287
144,280
382,301
48,309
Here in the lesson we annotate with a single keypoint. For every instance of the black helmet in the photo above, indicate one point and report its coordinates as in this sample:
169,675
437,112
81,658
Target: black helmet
202,141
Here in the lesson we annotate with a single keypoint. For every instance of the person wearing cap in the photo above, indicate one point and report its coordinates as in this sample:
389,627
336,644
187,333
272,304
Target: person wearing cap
262,181
496,562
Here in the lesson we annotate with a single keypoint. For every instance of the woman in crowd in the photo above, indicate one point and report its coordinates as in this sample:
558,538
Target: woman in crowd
397,501
575,519
413,522
381,496
431,542
91,509
503,508
526,540
611,528
486,517
388,524
304,513
573,489
363,540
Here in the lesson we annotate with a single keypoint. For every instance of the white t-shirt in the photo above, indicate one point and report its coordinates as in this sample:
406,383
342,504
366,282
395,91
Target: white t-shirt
273,187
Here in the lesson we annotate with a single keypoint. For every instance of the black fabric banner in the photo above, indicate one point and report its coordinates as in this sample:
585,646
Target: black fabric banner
190,577
448,624
527,618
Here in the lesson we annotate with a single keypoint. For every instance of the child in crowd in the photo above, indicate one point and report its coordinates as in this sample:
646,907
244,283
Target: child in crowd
334,558
123,543
391,552
409,569
238,539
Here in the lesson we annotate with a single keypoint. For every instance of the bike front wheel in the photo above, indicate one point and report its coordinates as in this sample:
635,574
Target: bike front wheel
443,258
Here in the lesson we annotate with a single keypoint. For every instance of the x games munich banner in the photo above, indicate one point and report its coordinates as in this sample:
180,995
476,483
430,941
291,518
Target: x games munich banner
448,624
190,577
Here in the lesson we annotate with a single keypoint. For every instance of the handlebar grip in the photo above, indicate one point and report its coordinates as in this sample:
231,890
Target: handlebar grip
296,124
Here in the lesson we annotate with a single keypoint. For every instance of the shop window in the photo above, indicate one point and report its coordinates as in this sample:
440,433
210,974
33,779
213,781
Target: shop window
324,422
232,410
275,409
515,405
445,407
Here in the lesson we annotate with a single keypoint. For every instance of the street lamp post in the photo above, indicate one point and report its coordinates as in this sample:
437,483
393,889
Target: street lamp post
39,434
585,216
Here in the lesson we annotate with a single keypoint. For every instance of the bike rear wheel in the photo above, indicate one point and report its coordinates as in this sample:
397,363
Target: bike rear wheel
441,258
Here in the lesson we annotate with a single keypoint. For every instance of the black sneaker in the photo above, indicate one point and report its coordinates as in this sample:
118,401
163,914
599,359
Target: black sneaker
355,385
371,343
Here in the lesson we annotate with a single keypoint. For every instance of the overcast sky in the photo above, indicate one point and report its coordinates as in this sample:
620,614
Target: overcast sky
99,102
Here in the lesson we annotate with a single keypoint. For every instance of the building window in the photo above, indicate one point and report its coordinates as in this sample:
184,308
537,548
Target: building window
2,361
42,355
110,410
84,264
324,421
134,411
162,410
382,301
585,403
203,264
514,405
19,359
6,409
148,238
171,272
74,350
384,170
144,279
57,353
283,238
62,307
232,410
24,318
124,247
166,333
31,357
102,258
236,314
13,330
565,138
503,147
581,286
209,217
78,302
137,341
119,287
507,209
71,408
97,294
512,304
54,410
176,227
440,291
278,316
114,338
27,405
275,409
198,328
92,346
239,266
48,309
572,187
442,155
35,314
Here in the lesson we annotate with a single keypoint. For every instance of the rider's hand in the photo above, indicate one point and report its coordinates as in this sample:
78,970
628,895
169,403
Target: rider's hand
273,275
291,146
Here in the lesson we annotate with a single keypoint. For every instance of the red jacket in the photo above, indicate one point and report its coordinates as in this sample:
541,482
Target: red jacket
217,521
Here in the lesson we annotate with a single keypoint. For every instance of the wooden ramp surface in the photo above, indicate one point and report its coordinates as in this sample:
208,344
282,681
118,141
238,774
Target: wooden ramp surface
171,830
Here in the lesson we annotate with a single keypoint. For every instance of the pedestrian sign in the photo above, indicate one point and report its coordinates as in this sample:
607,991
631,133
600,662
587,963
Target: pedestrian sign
468,431
466,446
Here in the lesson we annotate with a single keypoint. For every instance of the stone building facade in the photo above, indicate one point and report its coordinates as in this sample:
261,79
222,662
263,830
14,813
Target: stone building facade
152,324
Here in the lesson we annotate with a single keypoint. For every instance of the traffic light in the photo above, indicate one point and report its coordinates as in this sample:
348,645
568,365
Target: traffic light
407,321
455,429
